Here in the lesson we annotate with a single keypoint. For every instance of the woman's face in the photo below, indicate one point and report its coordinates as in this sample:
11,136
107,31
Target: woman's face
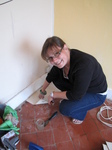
58,57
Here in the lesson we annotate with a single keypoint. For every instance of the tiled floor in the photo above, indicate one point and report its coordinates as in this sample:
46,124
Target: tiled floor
61,133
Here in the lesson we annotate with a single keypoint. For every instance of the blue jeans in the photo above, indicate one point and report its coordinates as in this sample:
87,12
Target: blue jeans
78,108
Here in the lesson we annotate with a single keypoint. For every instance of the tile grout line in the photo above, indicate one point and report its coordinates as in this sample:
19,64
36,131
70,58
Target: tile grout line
68,133
53,138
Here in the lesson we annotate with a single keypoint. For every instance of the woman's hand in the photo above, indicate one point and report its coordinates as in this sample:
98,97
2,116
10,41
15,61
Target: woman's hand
41,96
50,100
43,91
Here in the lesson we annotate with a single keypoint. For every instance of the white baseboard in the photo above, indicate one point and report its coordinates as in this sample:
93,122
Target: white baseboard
109,94
26,93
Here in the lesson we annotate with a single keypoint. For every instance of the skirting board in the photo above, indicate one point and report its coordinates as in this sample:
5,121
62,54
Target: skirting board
109,94
35,100
26,93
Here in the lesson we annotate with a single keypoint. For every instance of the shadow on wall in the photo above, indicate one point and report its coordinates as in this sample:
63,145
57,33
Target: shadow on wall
27,49
32,51
28,55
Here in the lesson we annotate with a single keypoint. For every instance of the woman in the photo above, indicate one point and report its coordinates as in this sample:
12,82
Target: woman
77,75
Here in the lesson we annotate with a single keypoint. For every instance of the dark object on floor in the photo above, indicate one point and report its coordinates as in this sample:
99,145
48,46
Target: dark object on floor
33,146
9,140
47,121
2,107
11,144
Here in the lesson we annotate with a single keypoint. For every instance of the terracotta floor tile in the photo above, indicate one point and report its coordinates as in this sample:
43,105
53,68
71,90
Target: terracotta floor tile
47,127
42,110
107,134
50,147
57,121
89,126
105,114
55,106
94,112
26,139
45,138
28,126
61,134
67,119
74,130
108,102
18,145
65,146
81,143
100,125
88,116
95,140
27,112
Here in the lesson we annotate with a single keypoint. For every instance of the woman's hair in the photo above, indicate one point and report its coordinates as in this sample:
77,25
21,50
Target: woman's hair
50,43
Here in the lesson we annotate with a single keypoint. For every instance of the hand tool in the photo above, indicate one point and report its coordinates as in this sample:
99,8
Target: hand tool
47,121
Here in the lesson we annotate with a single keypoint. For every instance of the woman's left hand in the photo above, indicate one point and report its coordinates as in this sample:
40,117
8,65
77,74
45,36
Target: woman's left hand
41,96
50,100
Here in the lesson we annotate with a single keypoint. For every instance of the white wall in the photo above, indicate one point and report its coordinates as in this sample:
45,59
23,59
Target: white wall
24,26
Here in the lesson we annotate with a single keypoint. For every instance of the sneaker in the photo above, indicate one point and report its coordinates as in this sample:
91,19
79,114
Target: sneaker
60,100
75,121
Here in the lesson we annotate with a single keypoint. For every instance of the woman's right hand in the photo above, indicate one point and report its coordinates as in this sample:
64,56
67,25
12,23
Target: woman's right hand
41,96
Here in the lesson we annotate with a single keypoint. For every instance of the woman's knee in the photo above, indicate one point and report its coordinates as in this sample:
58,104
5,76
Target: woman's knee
63,108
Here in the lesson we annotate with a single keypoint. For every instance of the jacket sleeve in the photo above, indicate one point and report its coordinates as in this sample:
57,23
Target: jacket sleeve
52,75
